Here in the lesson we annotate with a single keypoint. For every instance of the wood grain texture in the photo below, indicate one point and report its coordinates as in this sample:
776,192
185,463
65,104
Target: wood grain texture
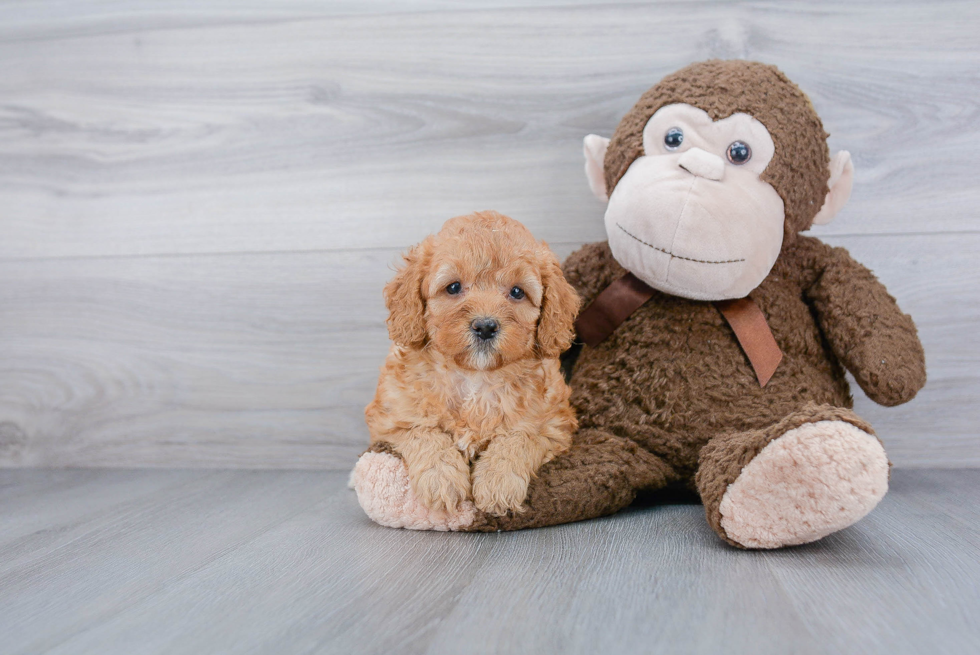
357,131
286,562
199,204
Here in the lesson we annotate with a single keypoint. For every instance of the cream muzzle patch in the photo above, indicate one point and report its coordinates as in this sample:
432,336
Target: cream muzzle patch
692,217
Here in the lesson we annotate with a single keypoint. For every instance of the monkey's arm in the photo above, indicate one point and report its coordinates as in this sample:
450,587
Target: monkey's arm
589,270
867,331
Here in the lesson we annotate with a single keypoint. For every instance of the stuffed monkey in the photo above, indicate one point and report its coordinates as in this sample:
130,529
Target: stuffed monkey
716,336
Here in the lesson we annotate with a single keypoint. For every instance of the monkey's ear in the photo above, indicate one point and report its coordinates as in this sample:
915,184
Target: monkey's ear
595,156
840,183
404,299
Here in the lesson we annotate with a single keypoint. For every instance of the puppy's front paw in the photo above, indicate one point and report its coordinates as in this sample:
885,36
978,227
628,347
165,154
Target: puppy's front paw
443,486
498,486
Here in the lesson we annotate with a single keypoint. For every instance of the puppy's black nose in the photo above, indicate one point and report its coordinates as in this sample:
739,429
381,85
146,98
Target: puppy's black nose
485,328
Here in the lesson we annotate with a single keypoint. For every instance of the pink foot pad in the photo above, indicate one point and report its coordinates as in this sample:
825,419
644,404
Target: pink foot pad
810,482
385,495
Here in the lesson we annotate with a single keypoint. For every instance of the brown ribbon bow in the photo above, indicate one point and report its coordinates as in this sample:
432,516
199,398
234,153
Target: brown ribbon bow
627,294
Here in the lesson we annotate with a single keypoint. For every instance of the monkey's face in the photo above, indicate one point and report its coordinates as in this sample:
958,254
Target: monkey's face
691,216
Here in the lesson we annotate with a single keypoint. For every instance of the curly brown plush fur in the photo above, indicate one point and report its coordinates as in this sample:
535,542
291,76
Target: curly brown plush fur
673,380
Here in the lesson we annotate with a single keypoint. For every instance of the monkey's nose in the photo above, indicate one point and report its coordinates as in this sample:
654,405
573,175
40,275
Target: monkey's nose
703,164
485,328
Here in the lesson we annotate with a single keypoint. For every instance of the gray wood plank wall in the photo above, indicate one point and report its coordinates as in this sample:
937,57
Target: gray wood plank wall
200,202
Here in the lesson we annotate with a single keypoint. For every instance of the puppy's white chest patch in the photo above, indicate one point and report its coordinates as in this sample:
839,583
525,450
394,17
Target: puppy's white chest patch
478,410
473,387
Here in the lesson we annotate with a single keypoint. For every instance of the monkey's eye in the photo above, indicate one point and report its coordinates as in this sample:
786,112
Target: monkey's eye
454,288
517,293
739,153
674,138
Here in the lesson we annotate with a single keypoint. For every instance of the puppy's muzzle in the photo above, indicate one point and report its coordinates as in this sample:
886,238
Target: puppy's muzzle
485,329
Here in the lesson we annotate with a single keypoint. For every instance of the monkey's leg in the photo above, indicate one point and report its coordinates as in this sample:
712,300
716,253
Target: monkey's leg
600,474
813,473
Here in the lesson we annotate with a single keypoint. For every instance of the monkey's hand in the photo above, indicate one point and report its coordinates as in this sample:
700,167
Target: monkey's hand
867,331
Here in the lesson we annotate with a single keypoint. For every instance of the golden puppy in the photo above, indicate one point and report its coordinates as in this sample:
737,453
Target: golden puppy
471,395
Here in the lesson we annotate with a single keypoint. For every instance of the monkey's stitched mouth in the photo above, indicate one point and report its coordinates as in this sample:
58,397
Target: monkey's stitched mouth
667,252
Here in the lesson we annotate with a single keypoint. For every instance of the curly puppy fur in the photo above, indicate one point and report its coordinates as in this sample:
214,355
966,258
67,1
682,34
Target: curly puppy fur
476,416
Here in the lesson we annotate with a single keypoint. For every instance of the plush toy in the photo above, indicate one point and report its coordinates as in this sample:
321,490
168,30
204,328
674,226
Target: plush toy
716,336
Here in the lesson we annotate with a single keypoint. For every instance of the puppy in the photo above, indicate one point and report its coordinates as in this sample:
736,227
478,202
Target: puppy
471,395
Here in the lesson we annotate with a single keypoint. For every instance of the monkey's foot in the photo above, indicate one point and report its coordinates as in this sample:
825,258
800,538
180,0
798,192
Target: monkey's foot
804,485
385,494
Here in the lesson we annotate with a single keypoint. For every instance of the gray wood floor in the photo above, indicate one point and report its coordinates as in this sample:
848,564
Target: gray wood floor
200,201
156,561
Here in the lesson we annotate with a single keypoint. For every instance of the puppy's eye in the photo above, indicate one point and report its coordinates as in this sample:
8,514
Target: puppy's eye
454,288
517,293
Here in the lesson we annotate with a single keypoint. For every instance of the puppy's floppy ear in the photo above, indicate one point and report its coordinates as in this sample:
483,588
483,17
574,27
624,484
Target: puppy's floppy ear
559,308
404,298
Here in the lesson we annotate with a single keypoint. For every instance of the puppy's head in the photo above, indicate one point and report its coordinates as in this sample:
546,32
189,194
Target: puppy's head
484,293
